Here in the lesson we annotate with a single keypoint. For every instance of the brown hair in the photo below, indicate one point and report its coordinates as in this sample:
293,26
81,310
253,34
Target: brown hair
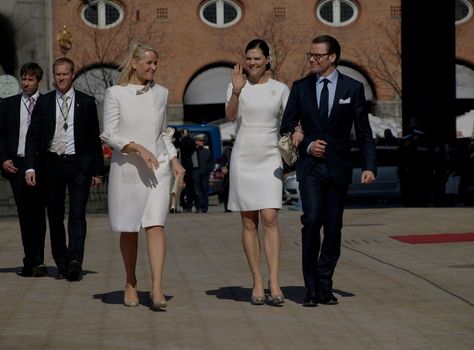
332,44
31,68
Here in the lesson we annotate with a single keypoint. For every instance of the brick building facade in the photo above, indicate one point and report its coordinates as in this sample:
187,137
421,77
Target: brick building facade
194,54
189,46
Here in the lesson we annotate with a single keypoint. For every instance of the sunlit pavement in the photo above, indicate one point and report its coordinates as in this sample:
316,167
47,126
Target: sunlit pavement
392,295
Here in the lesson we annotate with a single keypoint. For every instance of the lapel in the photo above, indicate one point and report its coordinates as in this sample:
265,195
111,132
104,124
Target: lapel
52,105
16,114
312,93
77,106
312,99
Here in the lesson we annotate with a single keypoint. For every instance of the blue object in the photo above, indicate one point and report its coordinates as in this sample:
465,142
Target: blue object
212,132
214,143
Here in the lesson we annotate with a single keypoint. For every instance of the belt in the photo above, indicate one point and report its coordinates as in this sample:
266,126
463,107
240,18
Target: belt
62,156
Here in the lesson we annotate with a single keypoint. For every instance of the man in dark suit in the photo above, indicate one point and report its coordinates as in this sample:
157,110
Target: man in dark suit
327,104
203,163
63,145
187,148
15,116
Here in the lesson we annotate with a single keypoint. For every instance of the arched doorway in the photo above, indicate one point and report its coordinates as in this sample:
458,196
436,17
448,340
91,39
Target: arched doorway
8,56
204,97
464,88
94,80
355,74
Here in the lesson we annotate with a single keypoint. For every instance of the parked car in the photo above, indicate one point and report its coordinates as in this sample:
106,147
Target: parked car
214,144
385,187
387,182
290,187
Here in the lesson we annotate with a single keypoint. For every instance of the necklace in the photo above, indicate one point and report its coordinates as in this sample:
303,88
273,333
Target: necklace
65,126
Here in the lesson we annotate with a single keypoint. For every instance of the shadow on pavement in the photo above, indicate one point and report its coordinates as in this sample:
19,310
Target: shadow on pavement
236,293
293,293
52,271
296,293
10,269
116,297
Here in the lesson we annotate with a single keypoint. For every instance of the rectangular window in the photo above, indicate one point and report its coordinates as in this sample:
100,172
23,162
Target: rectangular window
396,11
279,12
162,13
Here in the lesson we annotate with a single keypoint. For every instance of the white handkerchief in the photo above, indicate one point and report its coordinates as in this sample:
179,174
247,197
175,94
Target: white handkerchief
346,101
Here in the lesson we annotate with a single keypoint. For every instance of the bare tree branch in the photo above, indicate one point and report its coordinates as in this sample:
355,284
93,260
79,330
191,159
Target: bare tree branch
109,48
271,29
383,60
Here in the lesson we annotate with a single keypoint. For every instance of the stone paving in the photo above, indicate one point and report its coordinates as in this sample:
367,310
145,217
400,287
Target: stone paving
392,295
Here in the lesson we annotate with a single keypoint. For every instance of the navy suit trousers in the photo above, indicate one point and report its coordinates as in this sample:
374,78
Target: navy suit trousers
59,175
323,205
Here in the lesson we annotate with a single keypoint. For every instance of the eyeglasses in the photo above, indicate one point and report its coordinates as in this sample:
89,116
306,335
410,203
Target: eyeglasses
316,56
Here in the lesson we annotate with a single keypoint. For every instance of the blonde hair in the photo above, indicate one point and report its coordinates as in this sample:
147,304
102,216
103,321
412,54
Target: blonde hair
136,52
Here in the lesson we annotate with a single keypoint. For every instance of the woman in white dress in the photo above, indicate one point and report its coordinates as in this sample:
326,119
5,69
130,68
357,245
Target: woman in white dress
143,159
256,102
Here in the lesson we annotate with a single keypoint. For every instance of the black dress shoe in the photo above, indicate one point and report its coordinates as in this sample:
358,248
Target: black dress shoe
310,298
328,299
74,271
25,272
40,270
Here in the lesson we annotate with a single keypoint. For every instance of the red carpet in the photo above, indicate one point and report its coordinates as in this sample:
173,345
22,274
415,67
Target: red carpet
436,238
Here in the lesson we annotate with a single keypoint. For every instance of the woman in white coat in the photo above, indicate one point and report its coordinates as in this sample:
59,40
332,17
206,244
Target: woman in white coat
143,159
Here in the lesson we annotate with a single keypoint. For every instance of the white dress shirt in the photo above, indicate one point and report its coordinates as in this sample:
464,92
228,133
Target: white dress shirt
69,119
24,122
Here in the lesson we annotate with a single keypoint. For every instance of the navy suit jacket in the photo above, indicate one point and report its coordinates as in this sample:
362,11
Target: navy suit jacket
87,143
348,109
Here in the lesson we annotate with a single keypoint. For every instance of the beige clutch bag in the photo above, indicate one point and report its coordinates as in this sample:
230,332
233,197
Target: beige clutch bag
288,150
176,193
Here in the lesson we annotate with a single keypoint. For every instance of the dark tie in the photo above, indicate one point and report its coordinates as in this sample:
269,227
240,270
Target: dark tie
324,103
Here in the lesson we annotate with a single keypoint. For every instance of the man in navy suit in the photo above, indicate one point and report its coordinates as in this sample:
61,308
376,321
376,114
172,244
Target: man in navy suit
15,116
63,145
327,104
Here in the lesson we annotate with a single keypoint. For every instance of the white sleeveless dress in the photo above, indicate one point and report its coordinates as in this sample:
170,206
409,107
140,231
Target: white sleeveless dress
137,196
256,168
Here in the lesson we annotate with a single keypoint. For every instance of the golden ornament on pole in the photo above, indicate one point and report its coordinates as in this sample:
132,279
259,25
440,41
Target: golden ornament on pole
64,40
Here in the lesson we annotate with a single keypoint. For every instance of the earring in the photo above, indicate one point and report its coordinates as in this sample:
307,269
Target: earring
270,62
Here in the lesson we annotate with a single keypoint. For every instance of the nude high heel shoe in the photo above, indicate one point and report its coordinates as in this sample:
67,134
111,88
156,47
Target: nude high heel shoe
130,302
158,304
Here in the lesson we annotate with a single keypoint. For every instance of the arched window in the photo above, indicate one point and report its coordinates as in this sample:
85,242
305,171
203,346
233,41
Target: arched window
220,13
337,12
102,14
